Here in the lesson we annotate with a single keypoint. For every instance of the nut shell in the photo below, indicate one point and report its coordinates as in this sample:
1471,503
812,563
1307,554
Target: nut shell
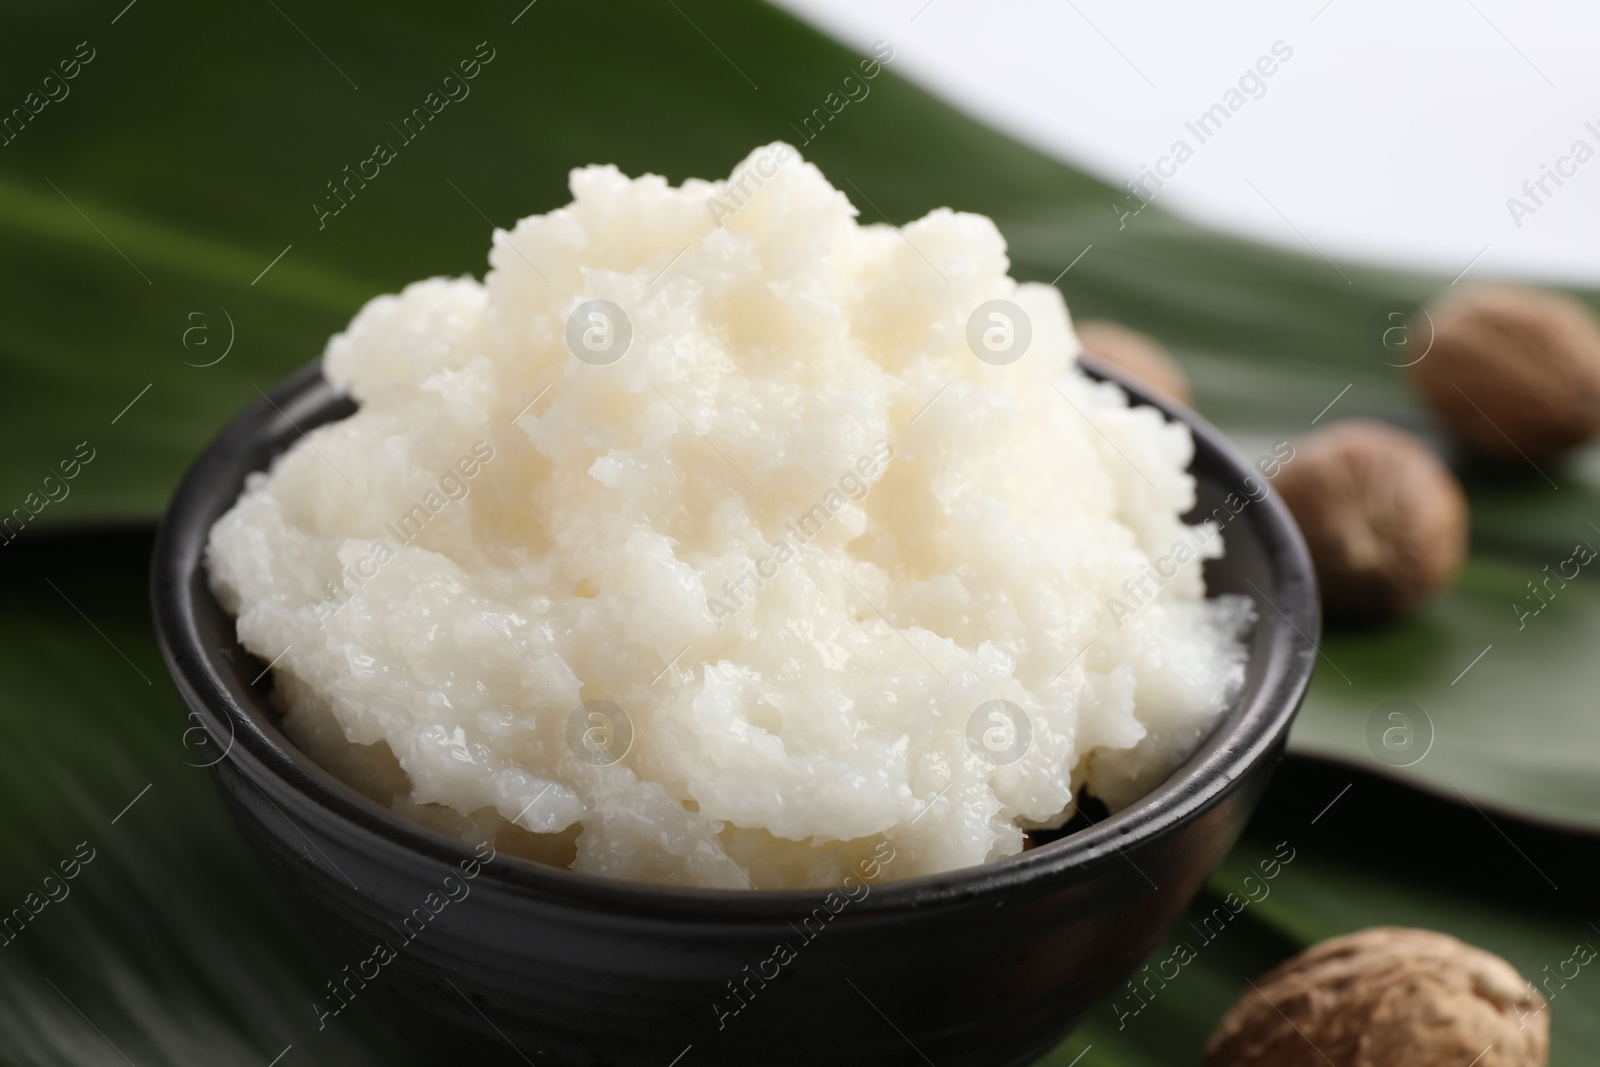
1137,356
1386,997
1385,520
1514,373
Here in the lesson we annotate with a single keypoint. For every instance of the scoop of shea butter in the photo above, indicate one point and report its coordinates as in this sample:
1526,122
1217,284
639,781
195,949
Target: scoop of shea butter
717,539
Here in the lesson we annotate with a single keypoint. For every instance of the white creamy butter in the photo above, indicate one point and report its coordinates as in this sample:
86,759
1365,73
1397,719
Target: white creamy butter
698,543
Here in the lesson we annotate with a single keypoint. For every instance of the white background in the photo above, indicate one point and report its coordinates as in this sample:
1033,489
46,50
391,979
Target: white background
1394,135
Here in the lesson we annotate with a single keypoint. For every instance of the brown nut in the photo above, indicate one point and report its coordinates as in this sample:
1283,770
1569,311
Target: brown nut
1515,373
1137,356
1386,997
1384,519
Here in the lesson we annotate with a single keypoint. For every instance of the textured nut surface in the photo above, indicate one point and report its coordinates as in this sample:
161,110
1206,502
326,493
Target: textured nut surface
1513,372
1137,356
1384,519
1386,997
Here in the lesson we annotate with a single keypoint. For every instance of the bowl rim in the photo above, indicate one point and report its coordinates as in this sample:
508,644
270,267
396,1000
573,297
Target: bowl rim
236,716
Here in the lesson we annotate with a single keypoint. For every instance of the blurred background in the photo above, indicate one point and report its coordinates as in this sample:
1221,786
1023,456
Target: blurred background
170,245
1394,135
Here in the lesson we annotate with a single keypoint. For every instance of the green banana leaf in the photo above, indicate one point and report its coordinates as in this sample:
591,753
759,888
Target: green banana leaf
162,258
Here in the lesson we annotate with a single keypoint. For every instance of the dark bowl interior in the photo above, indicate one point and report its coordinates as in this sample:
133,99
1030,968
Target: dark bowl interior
521,962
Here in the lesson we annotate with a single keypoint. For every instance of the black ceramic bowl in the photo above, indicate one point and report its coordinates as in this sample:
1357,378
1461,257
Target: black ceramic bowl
985,966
